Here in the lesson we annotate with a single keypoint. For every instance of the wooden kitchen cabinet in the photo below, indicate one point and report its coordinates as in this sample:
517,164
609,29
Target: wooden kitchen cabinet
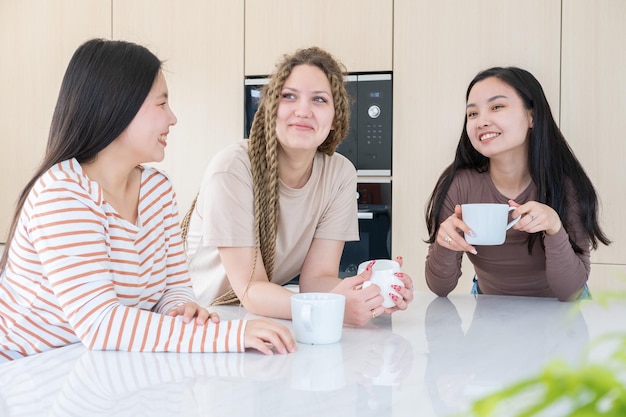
438,48
201,43
593,113
358,32
37,40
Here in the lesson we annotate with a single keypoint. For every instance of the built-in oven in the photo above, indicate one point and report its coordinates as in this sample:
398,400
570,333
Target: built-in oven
368,141
374,202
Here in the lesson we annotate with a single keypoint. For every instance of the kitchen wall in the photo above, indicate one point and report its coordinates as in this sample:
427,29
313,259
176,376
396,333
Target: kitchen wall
574,47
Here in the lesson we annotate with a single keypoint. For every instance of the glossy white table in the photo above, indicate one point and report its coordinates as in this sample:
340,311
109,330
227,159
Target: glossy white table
430,360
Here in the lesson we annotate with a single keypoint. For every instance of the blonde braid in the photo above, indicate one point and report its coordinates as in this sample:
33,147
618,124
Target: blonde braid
269,223
264,161
184,224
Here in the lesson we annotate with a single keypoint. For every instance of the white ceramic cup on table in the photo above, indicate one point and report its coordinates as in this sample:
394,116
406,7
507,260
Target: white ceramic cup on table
318,368
317,317
383,272
489,222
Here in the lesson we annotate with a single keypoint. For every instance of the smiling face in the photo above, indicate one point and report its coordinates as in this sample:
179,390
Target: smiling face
497,121
306,110
146,135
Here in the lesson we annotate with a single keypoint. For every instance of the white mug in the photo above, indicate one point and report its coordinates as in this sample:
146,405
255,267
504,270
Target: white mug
488,222
318,368
317,317
383,272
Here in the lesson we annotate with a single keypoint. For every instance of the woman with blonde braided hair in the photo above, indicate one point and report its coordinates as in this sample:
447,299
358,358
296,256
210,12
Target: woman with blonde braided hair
282,204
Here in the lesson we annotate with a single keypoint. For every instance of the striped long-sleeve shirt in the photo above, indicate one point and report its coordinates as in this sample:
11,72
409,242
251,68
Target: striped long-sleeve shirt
78,272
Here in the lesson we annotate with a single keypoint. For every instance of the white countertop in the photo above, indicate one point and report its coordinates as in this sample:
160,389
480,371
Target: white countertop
430,360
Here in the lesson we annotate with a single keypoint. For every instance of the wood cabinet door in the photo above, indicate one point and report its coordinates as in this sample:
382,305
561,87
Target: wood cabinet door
593,117
37,40
357,32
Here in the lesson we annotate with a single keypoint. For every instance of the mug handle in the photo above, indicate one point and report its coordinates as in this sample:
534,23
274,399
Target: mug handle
515,220
306,317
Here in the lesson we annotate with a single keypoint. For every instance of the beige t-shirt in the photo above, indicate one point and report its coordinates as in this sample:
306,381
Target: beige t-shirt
325,208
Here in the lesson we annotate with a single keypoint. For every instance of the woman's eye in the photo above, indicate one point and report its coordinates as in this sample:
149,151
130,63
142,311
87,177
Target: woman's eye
320,99
471,115
288,96
498,106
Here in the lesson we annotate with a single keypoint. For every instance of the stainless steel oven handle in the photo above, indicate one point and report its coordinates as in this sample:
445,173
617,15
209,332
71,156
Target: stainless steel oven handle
366,215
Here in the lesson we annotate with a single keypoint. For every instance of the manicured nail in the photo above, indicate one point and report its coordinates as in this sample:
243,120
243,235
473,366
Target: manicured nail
471,233
474,252
369,266
393,297
398,274
396,287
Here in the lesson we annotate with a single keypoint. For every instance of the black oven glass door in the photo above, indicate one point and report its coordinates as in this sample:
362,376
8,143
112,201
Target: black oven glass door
374,243
252,96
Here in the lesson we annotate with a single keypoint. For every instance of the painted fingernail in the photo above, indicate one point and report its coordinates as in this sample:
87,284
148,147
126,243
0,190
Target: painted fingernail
471,233
393,297
398,274
369,266
396,287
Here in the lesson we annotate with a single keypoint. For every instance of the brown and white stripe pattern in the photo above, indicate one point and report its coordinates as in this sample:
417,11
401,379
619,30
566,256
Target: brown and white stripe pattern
77,271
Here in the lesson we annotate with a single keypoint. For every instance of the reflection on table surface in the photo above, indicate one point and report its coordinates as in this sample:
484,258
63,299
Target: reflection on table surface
434,358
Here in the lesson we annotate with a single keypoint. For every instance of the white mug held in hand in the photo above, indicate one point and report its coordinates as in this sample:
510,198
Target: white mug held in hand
317,317
383,272
489,222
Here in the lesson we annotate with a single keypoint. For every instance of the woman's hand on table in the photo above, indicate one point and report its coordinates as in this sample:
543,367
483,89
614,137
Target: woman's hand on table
189,310
266,336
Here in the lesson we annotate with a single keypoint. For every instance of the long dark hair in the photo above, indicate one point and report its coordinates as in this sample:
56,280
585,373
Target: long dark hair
105,84
550,161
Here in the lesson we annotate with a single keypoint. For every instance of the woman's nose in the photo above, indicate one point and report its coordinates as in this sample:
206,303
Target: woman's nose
303,109
483,120
173,118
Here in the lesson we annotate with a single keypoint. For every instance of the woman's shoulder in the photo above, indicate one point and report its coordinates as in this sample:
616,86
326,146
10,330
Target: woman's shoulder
65,175
65,181
232,158
233,153
336,163
154,178
68,170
